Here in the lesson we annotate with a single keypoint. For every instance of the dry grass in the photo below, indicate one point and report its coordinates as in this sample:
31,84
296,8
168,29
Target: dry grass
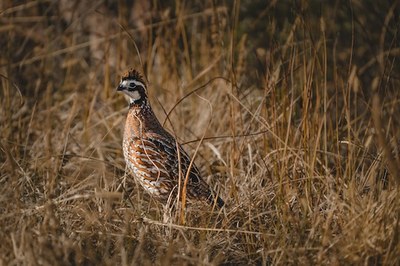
298,105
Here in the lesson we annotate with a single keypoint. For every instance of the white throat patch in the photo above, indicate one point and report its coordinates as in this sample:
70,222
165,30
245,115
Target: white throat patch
135,95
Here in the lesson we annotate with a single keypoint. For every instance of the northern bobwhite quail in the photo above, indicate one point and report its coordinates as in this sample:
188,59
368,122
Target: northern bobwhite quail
153,154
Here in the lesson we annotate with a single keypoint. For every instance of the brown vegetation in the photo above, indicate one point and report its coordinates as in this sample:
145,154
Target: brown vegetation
293,109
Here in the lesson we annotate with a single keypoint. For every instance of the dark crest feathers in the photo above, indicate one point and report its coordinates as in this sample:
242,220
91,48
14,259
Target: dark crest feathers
133,74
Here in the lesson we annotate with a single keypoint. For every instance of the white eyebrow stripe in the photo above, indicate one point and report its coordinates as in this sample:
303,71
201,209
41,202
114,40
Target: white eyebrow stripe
138,83
127,83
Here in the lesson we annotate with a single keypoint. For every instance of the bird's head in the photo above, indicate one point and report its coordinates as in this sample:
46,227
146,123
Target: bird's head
133,85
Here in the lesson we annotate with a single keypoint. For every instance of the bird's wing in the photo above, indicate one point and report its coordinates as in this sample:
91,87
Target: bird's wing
175,157
148,162
163,159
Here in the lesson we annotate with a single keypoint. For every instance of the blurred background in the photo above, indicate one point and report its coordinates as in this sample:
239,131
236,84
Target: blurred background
292,105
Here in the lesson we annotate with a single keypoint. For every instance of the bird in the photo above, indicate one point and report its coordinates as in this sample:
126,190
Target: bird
156,159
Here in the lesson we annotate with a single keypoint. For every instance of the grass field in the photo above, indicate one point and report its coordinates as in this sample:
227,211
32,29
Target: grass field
291,107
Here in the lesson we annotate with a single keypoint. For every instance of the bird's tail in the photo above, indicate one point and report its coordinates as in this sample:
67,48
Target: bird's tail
214,199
